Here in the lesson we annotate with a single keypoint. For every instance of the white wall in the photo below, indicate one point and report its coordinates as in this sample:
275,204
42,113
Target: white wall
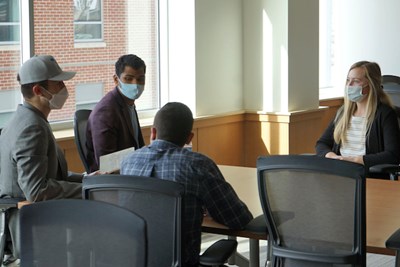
253,36
367,30
180,62
205,55
227,55
281,55
303,56
219,49
245,64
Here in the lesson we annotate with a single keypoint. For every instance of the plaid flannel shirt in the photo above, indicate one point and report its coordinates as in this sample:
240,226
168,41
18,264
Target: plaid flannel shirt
205,187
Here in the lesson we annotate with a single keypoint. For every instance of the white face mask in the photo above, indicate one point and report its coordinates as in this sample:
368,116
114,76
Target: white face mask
354,93
57,101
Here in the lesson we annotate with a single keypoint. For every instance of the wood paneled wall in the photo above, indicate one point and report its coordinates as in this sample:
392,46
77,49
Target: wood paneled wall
278,134
240,138
221,138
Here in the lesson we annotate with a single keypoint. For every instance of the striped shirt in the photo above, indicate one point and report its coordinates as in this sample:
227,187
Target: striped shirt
355,138
205,187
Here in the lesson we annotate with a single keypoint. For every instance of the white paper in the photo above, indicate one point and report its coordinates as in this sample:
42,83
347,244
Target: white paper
112,162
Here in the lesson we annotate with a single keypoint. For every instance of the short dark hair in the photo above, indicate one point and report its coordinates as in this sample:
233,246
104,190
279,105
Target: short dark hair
130,60
26,89
174,123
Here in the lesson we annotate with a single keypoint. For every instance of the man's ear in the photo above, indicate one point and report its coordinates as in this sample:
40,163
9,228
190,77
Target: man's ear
115,78
153,134
37,90
189,139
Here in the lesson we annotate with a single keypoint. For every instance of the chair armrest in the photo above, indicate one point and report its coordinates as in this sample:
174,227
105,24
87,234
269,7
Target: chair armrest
7,203
393,242
218,253
258,225
385,168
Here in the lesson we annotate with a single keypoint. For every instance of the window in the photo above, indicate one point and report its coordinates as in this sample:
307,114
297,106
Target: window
9,99
87,20
9,21
123,27
87,95
10,96
330,75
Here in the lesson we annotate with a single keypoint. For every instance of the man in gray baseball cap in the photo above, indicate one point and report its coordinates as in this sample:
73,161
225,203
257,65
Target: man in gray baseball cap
42,76
32,165
43,68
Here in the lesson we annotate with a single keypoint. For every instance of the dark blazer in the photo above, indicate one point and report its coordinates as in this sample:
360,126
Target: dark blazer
382,145
109,128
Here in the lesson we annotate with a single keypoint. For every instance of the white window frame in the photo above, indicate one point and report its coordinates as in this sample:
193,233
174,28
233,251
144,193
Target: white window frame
26,47
83,40
11,23
328,84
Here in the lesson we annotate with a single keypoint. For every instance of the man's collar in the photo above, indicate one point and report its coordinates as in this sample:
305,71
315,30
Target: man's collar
34,109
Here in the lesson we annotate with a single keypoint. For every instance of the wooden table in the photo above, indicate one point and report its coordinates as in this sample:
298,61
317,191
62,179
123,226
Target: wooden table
382,203
383,213
244,181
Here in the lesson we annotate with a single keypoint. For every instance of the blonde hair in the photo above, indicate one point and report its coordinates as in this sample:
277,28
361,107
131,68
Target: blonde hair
376,94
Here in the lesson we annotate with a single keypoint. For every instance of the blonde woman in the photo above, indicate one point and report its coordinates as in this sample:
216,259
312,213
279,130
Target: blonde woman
365,129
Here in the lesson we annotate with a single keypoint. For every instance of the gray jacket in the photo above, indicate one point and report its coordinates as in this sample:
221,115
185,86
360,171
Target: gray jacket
32,165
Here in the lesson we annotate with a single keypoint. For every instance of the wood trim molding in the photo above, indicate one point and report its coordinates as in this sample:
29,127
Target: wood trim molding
239,138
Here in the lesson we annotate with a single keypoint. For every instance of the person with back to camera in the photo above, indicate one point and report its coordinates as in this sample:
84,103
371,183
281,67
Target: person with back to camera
205,187
365,129
32,165
113,125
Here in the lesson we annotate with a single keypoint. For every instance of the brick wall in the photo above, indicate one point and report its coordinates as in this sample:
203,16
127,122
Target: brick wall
9,59
54,35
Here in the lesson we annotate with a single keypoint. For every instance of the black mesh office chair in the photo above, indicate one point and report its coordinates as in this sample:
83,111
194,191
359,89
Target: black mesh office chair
6,204
80,121
393,242
391,85
315,210
160,203
76,233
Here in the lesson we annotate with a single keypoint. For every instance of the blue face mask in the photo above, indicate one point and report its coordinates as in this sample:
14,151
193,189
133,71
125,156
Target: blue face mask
354,93
130,90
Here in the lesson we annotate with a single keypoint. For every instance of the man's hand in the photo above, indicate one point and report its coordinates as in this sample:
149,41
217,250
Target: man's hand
93,173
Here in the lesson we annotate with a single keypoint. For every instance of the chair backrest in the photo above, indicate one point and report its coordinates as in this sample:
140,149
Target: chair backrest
158,201
75,233
391,85
314,208
80,122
